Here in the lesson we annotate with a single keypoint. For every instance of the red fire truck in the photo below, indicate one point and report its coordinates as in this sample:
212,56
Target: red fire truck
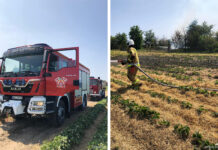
97,88
40,80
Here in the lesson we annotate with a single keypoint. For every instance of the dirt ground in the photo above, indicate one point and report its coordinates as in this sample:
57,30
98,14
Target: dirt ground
29,134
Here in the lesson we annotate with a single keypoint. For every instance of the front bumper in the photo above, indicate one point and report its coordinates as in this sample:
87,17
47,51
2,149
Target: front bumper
16,107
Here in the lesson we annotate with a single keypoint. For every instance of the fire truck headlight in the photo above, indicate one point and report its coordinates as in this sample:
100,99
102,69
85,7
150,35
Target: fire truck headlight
38,103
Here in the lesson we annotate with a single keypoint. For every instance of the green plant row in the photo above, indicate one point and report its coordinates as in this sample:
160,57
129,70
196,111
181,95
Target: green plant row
184,105
73,134
197,138
133,109
181,88
198,90
99,141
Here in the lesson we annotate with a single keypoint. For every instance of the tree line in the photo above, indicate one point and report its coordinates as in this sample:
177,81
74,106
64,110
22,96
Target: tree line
194,38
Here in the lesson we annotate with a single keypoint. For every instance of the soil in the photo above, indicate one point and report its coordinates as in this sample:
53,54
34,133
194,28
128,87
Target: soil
29,134
130,133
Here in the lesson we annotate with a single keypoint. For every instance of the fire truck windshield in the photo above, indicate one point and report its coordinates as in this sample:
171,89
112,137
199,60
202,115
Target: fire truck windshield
93,82
29,65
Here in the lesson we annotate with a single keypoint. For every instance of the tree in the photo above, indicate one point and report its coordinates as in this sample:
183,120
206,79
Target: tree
114,43
195,33
119,41
178,39
216,36
150,39
136,35
163,42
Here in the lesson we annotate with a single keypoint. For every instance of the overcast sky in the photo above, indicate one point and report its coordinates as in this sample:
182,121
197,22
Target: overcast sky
162,16
60,24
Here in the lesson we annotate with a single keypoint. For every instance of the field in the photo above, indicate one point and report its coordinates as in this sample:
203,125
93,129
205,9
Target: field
78,132
159,117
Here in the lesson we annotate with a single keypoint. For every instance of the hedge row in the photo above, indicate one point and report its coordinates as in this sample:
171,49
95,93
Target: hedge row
73,134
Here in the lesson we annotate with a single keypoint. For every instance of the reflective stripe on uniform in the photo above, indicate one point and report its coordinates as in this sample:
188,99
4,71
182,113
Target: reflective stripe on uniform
130,65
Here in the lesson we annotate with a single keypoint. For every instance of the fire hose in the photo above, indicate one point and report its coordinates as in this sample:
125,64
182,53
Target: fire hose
172,86
163,84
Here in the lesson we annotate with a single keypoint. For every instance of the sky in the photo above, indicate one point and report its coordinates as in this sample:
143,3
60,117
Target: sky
161,16
60,24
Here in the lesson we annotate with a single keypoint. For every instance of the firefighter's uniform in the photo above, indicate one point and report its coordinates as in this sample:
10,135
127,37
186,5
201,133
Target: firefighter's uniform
132,70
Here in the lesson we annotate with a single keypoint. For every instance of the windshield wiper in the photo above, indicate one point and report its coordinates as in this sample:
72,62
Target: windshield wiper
31,73
9,74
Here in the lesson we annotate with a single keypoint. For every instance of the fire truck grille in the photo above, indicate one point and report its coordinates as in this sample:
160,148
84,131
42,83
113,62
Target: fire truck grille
13,89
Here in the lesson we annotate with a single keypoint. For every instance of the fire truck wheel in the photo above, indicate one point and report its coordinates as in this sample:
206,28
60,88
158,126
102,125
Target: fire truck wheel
59,115
18,117
103,95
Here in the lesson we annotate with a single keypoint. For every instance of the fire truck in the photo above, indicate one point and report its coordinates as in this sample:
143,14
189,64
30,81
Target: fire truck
97,88
39,80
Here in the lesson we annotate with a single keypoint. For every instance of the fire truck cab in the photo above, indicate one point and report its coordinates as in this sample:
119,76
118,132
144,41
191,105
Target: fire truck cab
39,80
97,88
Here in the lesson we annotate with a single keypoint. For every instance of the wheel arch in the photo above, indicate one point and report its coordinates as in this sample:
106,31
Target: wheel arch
66,99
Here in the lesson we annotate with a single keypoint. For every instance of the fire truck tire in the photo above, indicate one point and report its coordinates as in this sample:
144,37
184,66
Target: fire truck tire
59,116
103,94
84,104
19,117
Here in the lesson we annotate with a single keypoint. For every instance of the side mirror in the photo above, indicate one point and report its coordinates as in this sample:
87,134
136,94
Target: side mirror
76,82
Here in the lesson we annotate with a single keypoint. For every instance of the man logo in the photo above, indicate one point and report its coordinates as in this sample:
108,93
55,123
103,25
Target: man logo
61,82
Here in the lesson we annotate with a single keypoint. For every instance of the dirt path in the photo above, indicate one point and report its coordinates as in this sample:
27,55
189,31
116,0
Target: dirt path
29,134
90,133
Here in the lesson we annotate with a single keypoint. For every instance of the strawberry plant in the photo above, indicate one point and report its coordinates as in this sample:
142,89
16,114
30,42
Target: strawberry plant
197,139
200,110
215,114
165,123
213,93
182,131
186,105
171,100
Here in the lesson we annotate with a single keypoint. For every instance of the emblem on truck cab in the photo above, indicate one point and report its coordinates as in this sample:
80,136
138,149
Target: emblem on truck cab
61,82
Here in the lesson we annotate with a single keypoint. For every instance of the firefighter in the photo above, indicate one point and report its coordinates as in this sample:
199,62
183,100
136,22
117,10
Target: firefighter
131,60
